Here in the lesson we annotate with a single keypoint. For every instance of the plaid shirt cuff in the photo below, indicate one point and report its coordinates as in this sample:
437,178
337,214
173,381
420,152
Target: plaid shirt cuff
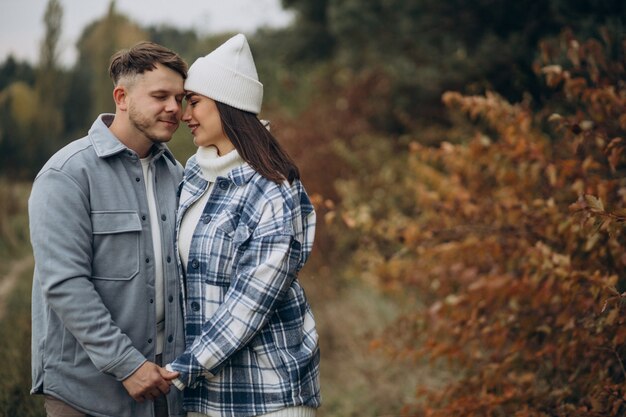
190,370
177,382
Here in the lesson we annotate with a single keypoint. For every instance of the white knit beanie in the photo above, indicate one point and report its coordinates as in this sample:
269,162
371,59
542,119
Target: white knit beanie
228,75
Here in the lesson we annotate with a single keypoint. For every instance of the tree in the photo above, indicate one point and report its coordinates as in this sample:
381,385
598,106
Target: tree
97,43
49,53
19,119
50,85
12,70
184,42
309,38
425,47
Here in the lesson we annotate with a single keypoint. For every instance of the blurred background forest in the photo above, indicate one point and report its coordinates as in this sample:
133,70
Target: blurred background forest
467,164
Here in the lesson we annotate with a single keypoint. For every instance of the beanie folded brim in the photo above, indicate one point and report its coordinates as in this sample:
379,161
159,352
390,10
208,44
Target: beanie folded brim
233,88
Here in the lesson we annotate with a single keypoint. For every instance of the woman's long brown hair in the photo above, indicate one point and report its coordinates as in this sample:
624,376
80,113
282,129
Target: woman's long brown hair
256,145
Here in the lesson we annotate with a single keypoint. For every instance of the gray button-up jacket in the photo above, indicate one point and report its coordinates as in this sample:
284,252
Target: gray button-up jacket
93,306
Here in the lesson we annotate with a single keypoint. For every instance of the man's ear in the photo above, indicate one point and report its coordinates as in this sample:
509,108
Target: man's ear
120,96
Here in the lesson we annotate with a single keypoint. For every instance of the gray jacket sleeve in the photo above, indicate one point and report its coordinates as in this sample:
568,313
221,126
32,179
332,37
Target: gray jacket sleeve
61,236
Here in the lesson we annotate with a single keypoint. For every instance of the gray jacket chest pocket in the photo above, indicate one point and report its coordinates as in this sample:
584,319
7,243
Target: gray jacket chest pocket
116,237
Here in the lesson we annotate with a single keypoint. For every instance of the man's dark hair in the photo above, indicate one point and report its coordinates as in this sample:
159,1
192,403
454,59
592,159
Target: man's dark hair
142,57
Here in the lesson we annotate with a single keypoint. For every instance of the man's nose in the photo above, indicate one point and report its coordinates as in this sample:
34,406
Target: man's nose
173,105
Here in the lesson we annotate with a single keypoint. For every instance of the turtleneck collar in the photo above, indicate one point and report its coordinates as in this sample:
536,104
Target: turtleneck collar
213,165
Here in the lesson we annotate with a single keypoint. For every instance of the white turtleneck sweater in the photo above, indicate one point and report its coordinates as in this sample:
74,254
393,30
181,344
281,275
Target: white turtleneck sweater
212,166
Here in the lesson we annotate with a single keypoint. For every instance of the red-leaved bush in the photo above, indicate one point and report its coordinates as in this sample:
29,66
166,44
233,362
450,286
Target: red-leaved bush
513,240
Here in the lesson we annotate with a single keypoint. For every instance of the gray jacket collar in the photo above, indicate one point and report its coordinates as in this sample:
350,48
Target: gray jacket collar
106,144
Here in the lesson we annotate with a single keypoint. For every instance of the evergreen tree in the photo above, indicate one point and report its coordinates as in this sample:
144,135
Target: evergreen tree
12,70
50,87
425,47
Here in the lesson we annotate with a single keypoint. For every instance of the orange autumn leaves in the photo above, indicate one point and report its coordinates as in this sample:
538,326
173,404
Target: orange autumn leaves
513,242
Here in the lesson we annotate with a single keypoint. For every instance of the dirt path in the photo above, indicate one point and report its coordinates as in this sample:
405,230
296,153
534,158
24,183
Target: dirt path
10,279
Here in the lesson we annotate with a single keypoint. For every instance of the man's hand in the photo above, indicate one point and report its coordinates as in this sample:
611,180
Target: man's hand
148,382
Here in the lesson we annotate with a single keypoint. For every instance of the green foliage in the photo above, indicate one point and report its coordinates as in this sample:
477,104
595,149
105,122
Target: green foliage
12,71
21,132
15,400
50,82
184,42
309,39
49,51
15,306
287,87
426,47
32,122
97,43
13,219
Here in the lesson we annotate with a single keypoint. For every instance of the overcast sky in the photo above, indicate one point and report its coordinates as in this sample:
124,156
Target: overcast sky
21,27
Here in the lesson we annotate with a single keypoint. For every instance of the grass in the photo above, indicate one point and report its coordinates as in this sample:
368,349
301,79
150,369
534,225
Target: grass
355,379
14,235
15,376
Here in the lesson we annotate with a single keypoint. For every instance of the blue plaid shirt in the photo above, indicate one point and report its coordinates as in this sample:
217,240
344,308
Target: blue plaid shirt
251,343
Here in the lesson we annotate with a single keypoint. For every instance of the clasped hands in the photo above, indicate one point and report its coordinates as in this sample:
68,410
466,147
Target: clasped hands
149,382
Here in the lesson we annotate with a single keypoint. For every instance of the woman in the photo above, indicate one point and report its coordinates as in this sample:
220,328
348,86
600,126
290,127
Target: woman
245,228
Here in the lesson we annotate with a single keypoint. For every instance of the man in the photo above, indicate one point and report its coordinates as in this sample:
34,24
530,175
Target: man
106,298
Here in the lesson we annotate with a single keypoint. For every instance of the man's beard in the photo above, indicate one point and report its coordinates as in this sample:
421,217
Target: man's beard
145,125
